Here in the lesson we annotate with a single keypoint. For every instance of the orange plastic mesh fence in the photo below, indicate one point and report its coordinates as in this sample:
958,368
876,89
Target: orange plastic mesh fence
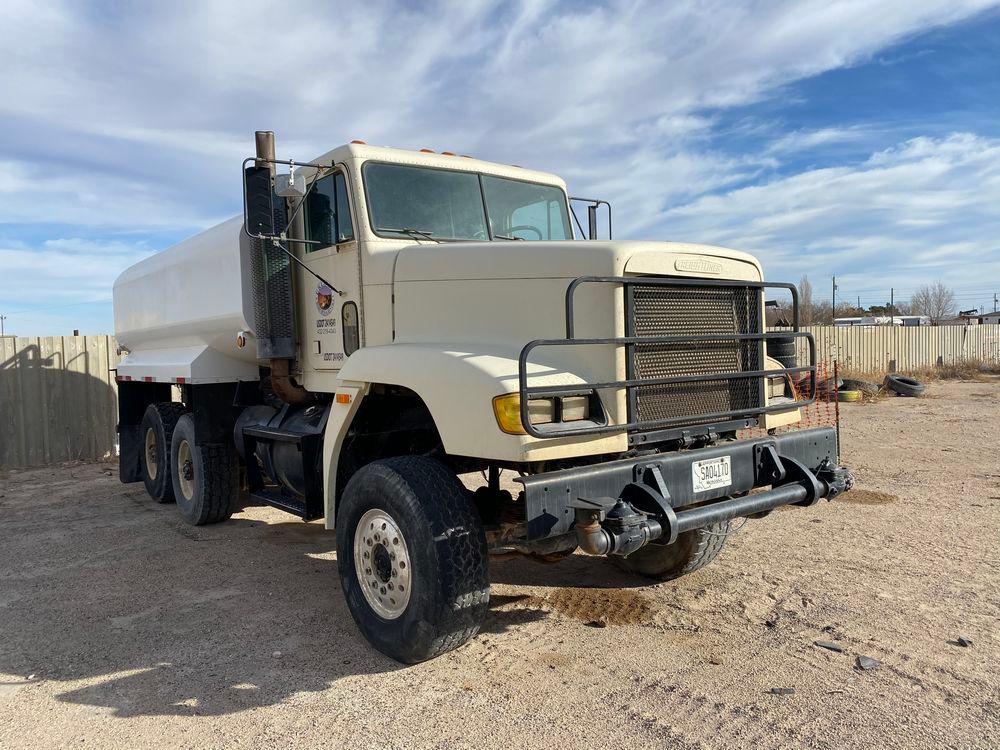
823,412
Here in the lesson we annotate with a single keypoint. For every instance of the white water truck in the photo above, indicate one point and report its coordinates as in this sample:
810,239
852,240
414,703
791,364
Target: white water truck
381,322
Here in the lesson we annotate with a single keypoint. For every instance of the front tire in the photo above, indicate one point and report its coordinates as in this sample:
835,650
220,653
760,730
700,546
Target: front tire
693,550
412,557
204,476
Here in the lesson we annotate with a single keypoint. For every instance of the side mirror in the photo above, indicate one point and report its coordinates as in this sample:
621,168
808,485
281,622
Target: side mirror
593,206
258,202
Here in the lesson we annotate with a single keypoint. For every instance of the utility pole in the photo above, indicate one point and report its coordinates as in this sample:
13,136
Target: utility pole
4,317
994,301
834,305
892,304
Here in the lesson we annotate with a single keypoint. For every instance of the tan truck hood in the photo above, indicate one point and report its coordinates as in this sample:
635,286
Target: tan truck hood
464,261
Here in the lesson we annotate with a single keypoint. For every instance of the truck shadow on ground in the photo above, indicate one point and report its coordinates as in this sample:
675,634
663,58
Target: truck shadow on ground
153,617
576,571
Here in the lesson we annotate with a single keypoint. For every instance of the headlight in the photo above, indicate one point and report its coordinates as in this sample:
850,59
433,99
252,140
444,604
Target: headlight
540,411
780,386
508,412
574,408
776,386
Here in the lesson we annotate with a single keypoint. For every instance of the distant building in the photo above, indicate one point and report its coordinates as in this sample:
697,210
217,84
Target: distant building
884,320
973,319
963,320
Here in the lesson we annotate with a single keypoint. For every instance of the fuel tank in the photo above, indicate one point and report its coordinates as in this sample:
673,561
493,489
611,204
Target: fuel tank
282,460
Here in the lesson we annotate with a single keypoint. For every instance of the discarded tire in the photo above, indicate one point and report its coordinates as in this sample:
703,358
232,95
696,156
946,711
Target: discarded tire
827,389
868,389
782,349
904,386
849,396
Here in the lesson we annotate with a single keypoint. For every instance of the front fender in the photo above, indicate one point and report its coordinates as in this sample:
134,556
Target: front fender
458,387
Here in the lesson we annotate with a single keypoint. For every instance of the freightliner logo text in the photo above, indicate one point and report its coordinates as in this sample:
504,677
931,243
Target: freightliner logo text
697,265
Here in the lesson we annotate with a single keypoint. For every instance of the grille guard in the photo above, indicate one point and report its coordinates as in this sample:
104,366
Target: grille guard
553,430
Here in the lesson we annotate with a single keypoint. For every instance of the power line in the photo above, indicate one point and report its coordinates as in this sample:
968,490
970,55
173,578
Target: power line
36,308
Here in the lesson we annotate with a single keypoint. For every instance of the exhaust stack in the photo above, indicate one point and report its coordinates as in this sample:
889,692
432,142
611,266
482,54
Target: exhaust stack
265,149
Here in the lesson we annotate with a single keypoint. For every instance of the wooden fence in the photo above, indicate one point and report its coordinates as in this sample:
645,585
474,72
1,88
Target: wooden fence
57,399
57,393
902,348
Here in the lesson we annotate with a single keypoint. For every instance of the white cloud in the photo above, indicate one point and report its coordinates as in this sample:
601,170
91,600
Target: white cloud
30,194
181,86
926,209
807,140
137,118
61,271
58,285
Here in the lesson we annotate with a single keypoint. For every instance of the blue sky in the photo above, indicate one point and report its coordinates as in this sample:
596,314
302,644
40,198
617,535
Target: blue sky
853,139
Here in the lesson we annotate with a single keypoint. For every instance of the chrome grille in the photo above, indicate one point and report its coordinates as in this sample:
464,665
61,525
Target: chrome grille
694,311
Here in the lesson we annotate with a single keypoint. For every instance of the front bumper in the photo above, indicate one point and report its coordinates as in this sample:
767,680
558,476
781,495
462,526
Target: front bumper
799,467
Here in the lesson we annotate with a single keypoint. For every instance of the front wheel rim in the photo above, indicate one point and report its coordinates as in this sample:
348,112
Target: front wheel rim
382,563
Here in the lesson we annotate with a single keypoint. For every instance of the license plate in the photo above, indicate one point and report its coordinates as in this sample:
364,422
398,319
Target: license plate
711,474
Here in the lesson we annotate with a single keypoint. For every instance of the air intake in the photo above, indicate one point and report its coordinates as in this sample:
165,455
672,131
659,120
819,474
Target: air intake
273,304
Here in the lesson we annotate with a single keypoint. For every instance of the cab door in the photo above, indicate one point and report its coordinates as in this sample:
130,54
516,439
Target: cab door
328,321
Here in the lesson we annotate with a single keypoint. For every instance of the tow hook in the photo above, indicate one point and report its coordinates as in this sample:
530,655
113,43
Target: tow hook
836,478
606,526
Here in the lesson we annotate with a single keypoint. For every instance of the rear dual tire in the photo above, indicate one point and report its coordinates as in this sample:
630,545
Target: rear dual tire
204,476
156,432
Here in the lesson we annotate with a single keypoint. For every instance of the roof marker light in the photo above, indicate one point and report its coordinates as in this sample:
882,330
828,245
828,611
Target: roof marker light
360,143
426,151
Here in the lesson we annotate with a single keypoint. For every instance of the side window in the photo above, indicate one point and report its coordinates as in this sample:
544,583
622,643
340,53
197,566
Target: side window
526,210
538,221
328,213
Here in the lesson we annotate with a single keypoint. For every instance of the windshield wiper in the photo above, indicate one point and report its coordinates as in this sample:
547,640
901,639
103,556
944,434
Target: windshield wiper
507,237
421,233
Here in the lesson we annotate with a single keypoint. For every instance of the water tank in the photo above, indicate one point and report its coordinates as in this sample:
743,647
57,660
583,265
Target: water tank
179,311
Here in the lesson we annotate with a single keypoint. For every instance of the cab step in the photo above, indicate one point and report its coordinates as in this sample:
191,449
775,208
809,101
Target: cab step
294,505
301,446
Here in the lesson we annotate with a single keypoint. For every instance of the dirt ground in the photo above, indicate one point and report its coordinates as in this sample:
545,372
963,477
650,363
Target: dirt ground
121,627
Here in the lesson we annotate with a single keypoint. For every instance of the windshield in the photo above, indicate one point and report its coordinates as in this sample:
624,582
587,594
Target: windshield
447,205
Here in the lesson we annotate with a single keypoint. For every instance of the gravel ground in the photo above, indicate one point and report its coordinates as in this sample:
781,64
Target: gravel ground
123,627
